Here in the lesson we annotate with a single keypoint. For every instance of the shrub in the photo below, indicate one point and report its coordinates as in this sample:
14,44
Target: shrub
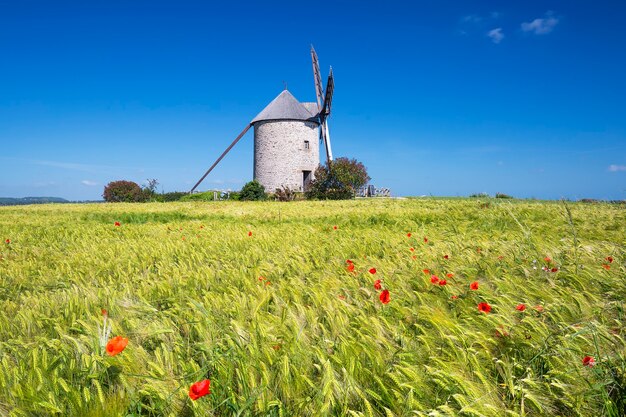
171,196
284,194
502,195
253,191
123,191
479,195
204,196
339,182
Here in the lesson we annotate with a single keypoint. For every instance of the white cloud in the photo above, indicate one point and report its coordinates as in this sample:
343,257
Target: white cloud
616,168
88,183
496,35
541,26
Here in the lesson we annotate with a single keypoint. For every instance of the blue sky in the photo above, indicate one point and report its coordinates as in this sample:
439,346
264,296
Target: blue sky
438,98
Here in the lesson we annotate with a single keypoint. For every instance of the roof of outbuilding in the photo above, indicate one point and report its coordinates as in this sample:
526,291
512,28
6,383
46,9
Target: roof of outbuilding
285,107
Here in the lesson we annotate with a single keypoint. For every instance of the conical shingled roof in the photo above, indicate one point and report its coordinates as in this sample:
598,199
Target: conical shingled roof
284,107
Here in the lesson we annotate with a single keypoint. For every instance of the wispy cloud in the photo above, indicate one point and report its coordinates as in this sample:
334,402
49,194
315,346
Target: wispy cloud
496,35
471,18
541,26
617,168
89,183
475,18
43,184
71,166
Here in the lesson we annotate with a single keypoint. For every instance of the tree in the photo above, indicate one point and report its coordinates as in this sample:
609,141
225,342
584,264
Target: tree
123,191
253,191
349,172
339,182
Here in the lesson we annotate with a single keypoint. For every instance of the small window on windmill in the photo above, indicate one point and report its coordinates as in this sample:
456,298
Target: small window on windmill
306,144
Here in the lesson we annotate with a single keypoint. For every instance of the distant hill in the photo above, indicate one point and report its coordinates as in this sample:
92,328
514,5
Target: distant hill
8,201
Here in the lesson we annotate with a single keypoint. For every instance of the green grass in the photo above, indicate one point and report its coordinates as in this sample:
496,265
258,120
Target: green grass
181,282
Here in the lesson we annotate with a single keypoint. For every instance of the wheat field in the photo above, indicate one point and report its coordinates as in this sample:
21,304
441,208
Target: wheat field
260,299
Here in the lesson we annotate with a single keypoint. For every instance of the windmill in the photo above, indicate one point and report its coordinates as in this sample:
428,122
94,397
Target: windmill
287,134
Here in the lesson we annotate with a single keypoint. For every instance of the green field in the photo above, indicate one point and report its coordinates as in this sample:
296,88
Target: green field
281,327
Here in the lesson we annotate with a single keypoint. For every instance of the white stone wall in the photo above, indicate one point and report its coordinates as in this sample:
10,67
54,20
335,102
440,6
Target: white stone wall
280,155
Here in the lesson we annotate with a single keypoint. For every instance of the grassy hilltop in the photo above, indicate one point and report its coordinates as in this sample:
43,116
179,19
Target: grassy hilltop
259,298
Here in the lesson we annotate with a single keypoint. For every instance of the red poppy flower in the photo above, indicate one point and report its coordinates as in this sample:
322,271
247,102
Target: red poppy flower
539,308
268,283
547,259
250,233
589,361
334,227
484,307
434,279
606,266
199,389
443,282
377,284
449,274
104,312
479,250
342,297
276,347
412,249
446,257
454,297
408,234
350,267
201,227
384,297
7,241
414,257
474,286
372,271
116,345
555,269
348,261
610,259
425,240
261,278
118,224
426,271
500,257
521,307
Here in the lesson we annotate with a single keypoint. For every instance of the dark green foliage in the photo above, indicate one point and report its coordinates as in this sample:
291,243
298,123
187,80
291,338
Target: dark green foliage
204,196
253,191
340,182
502,195
171,196
124,192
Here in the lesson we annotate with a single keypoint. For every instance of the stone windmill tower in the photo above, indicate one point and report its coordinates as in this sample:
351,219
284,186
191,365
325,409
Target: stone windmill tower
286,133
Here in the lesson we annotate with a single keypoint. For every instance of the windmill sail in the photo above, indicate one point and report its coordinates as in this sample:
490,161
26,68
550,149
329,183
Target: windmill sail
220,158
323,106
319,92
